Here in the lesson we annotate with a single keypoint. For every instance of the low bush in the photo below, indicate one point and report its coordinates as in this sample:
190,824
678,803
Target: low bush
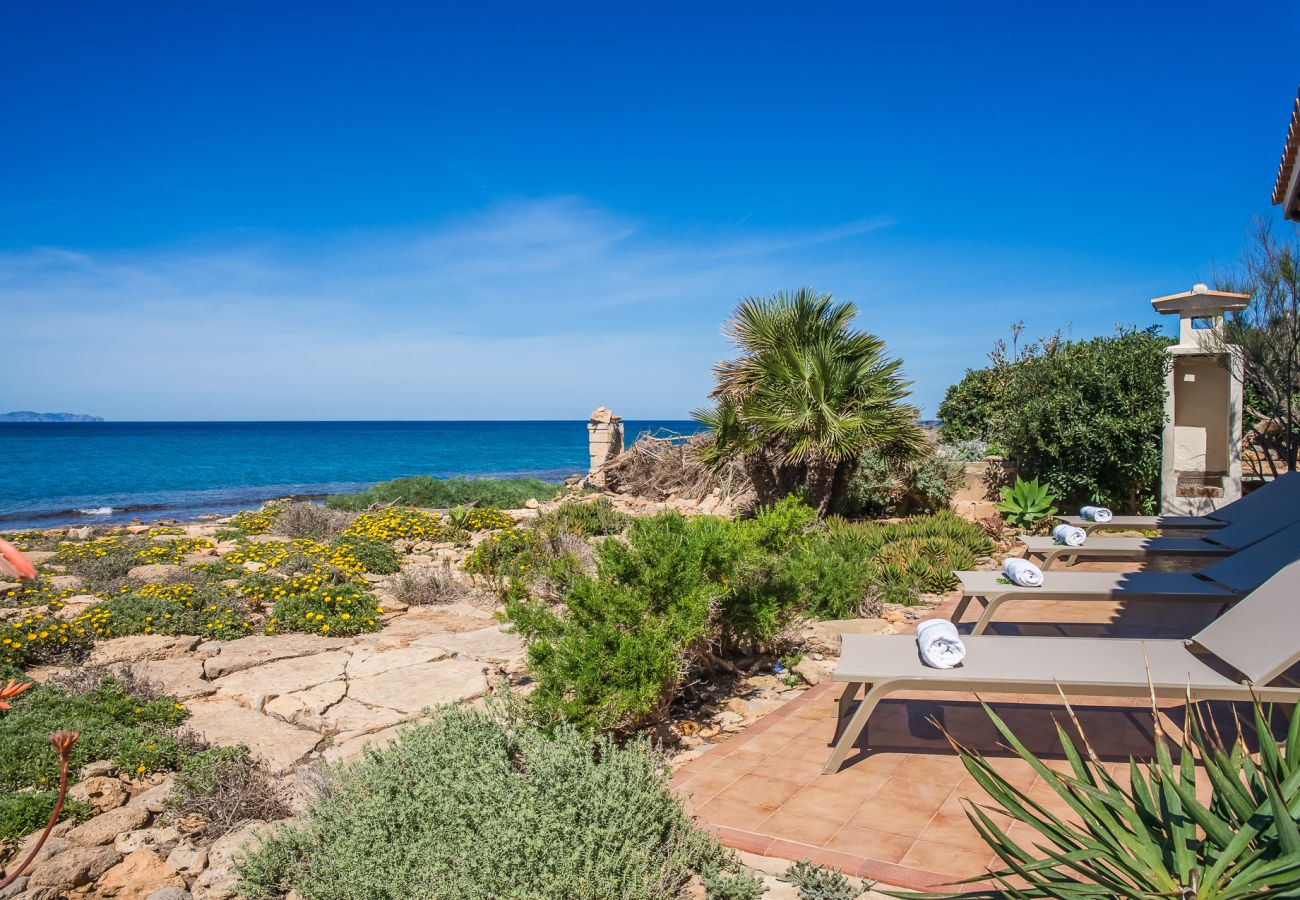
474,805
170,609
427,585
886,485
258,521
588,519
101,561
736,886
226,787
831,576
398,524
336,610
28,811
376,557
40,637
968,450
819,883
615,652
439,493
138,733
310,520
512,552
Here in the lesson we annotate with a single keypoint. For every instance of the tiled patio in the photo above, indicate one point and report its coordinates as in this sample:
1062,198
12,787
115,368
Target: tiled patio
895,812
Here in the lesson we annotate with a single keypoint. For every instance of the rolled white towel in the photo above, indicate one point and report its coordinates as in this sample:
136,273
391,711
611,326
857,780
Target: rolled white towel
1099,514
1022,572
1069,535
939,643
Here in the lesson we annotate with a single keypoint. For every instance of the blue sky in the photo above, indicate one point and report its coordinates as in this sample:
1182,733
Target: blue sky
395,210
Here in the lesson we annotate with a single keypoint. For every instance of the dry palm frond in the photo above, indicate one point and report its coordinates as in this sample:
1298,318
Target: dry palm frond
663,464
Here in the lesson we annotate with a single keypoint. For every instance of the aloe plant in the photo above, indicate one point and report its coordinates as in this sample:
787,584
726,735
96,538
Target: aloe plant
1026,503
1151,837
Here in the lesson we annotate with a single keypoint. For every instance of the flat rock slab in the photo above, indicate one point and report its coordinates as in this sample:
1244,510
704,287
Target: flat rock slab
140,647
181,677
413,688
258,649
370,661
352,715
281,676
350,748
490,644
278,744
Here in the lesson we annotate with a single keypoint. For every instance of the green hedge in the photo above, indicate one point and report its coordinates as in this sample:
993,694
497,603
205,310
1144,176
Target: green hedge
1084,417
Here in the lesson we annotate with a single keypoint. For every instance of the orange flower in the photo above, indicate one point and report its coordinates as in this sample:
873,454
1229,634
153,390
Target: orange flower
63,741
12,689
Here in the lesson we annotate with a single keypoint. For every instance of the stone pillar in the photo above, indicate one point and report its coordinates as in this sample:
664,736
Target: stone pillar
604,443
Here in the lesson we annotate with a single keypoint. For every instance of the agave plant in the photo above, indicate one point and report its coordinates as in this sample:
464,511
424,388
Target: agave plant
1151,837
1026,503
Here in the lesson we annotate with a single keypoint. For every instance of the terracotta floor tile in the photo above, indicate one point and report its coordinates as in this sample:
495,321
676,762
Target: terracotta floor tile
858,783
920,794
943,859
935,769
739,762
832,804
894,816
792,826
767,742
707,783
954,830
798,769
734,814
755,790
872,844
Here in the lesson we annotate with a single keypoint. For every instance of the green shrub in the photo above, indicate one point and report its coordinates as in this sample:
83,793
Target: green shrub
136,731
970,409
1083,416
737,886
438,493
512,552
613,658
257,521
474,805
832,576
397,523
375,557
170,609
23,813
225,786
818,883
889,485
589,519
967,450
103,560
335,610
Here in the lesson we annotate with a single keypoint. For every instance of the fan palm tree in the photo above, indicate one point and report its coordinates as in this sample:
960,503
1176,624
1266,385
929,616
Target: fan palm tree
807,395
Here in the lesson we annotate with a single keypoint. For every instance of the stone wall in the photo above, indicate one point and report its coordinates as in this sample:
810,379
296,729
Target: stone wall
604,443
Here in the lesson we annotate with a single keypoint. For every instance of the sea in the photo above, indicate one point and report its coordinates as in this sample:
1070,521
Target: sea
70,472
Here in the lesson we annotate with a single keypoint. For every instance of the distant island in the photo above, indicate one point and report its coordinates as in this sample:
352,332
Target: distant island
24,415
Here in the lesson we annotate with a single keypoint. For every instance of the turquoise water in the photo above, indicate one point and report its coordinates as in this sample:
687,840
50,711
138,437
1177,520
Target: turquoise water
112,471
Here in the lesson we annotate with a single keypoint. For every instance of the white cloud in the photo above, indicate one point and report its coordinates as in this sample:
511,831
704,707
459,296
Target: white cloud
533,309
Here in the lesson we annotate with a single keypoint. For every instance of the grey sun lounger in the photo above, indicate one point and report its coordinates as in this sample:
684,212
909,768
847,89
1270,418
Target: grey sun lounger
1221,582
1284,489
1237,536
1242,654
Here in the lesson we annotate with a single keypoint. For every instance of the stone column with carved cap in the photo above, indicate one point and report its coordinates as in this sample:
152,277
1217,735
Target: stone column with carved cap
604,443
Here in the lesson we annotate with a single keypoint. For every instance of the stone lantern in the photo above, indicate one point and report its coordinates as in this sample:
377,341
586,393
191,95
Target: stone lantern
1201,468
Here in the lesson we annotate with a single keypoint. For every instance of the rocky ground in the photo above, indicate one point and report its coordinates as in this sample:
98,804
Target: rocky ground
297,699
